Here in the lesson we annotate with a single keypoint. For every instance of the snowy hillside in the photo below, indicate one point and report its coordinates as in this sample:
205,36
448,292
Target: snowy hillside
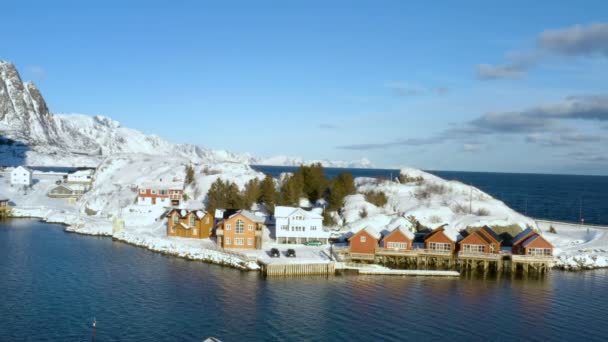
432,201
297,161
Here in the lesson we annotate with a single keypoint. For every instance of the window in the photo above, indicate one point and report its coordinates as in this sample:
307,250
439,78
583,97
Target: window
142,191
207,220
474,248
363,239
175,218
239,241
285,227
250,227
227,241
249,241
539,251
438,246
313,227
163,192
228,227
194,231
153,192
192,220
240,227
396,245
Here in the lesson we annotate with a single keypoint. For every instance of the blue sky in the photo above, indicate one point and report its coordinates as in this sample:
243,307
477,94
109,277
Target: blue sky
514,87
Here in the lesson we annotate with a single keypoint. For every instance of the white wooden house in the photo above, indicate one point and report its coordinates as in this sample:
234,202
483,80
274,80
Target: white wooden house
80,177
21,175
296,225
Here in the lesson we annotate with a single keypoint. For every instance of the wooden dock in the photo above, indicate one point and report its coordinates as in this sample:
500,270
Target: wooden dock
425,273
428,259
280,269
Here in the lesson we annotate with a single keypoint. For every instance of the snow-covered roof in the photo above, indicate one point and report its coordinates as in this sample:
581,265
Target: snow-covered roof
282,211
87,172
183,212
163,185
23,168
408,233
251,215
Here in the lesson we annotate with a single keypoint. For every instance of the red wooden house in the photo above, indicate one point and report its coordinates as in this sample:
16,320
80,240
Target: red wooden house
398,240
481,240
438,240
363,244
520,238
536,245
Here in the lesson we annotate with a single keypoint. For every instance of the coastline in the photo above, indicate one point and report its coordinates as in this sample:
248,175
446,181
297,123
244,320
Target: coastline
188,250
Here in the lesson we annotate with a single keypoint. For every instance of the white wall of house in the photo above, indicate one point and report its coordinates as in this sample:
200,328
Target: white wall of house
298,225
21,176
162,202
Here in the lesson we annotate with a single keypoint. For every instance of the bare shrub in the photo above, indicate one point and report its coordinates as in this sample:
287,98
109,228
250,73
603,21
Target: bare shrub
460,208
482,212
435,219
429,190
405,178
363,213
552,229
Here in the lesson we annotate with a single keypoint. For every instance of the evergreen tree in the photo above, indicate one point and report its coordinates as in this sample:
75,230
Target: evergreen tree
189,175
251,193
314,181
340,187
268,192
292,190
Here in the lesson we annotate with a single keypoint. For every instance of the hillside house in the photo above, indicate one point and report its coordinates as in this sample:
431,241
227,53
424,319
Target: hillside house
481,240
439,241
195,224
363,244
165,194
80,177
399,239
240,230
21,175
296,225
67,191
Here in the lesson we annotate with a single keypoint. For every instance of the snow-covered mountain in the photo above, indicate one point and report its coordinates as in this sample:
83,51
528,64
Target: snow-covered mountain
75,140
297,161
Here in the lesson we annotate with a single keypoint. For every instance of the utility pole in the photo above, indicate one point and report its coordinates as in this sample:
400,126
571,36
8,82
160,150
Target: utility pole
470,199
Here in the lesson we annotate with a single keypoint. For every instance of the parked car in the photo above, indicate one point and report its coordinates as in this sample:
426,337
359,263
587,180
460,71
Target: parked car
313,243
291,253
275,253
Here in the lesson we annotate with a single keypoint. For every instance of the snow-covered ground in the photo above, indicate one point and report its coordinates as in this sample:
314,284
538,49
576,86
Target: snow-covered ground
431,201
578,247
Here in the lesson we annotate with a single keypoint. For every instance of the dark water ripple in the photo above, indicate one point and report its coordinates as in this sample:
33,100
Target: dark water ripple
54,283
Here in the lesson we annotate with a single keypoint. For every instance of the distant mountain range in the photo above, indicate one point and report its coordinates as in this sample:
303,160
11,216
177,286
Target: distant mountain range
297,161
31,135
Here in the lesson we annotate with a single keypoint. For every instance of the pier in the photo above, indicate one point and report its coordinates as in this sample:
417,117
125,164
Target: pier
427,259
283,269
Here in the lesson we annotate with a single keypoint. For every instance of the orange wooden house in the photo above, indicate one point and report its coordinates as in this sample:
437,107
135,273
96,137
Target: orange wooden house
438,240
481,240
520,238
241,229
398,240
363,244
195,224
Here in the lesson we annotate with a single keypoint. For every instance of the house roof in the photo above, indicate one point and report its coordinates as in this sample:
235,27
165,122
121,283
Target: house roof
281,211
374,234
23,168
408,234
490,232
530,240
522,235
163,185
185,212
229,213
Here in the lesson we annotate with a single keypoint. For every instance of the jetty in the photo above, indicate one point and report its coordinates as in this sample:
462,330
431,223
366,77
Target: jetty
298,269
432,260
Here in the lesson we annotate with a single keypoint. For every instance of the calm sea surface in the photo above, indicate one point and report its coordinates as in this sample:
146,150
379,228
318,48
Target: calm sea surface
53,284
554,197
